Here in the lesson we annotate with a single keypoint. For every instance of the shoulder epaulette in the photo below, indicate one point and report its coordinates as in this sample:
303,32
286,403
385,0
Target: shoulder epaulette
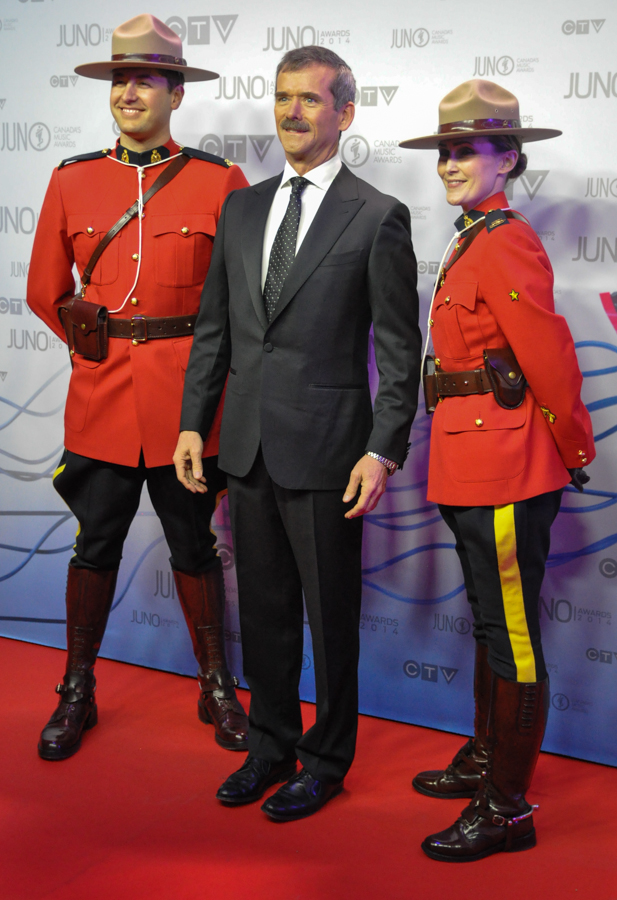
98,154
207,157
495,218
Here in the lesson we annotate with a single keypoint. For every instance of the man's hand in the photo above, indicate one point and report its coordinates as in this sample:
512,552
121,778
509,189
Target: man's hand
187,460
371,476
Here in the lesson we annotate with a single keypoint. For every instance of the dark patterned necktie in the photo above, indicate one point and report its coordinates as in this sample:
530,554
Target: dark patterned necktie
283,250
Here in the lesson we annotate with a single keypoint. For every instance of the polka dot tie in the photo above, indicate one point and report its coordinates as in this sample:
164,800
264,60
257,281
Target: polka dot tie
283,250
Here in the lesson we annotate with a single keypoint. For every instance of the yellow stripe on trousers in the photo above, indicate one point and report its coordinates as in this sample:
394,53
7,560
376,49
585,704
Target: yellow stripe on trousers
512,593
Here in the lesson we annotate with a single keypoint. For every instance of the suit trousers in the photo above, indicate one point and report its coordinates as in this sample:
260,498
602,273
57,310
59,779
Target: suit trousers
503,552
290,542
104,497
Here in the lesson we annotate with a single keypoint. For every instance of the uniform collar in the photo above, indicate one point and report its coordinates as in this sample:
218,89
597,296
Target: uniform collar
495,201
148,157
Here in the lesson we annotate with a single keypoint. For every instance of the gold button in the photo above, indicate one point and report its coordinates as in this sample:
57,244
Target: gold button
135,256
72,353
134,301
143,174
134,343
479,422
184,230
437,362
511,374
584,459
581,452
447,300
83,326
90,229
431,322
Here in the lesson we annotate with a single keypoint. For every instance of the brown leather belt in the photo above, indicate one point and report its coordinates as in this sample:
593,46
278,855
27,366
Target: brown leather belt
146,328
457,384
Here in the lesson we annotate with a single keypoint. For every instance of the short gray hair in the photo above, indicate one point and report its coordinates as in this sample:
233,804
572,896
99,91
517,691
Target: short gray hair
343,87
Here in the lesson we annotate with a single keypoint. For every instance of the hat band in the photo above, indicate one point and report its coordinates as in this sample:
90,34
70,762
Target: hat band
478,125
148,58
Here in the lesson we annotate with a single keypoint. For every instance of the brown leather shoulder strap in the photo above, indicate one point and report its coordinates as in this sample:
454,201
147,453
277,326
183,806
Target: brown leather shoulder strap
164,178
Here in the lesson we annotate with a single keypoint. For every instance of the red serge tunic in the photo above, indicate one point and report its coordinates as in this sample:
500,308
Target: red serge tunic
131,400
499,294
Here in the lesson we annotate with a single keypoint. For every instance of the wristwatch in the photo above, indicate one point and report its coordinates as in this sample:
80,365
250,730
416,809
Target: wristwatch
388,463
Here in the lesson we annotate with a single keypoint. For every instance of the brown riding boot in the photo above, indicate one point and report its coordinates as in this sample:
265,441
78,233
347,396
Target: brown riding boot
499,817
463,777
202,597
89,594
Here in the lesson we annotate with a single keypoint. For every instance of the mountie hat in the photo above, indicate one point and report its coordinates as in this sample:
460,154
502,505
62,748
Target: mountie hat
479,109
144,42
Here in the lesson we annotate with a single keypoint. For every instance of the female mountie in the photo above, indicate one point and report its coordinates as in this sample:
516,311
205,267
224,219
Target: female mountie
509,432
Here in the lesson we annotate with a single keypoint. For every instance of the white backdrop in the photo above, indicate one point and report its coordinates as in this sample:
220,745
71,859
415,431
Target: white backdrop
417,650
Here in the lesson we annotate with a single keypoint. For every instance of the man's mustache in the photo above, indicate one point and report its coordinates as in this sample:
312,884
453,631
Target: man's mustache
294,125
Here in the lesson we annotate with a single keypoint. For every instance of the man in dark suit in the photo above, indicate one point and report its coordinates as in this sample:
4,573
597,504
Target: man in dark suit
302,265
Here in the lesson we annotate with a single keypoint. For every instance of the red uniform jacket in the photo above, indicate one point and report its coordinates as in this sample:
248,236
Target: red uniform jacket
131,400
500,293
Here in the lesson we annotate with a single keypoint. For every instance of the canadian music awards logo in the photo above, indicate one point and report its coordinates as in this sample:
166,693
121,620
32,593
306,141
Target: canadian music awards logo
581,26
565,613
238,87
24,339
493,65
19,269
452,624
601,187
18,136
355,151
410,37
283,38
234,146
428,671
596,86
604,249
87,35
17,220
196,29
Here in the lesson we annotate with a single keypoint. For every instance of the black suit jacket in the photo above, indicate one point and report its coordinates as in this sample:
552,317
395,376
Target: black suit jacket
299,386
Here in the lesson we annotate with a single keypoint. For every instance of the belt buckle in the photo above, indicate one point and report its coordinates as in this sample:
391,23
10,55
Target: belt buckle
145,337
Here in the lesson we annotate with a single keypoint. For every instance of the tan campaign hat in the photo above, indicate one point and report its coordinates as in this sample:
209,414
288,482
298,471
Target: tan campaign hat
479,108
141,42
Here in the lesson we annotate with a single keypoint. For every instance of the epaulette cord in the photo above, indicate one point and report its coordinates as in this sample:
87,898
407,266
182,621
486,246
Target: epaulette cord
98,154
207,157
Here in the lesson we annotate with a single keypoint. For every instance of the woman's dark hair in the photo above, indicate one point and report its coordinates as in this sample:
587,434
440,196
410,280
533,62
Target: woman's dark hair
504,142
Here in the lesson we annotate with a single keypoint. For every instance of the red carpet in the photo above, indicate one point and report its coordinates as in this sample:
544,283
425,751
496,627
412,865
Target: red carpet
133,815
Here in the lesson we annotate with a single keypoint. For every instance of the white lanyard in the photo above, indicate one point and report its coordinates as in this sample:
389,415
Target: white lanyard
140,213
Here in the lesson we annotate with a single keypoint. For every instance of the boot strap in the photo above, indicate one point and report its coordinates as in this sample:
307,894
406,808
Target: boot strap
79,693
208,687
513,820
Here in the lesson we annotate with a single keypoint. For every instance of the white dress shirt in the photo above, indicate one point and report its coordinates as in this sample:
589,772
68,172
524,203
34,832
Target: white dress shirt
321,177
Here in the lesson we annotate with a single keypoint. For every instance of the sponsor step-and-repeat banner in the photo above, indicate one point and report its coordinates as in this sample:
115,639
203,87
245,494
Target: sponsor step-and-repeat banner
417,645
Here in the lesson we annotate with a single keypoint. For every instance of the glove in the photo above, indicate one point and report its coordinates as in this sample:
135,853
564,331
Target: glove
579,478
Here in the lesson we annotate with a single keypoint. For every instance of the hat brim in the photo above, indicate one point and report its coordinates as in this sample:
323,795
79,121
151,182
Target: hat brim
103,71
525,135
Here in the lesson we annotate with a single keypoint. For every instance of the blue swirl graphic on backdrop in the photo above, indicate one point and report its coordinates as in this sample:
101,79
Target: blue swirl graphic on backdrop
24,409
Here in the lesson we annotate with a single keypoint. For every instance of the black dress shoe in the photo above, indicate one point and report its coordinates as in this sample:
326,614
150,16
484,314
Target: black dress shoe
302,796
251,780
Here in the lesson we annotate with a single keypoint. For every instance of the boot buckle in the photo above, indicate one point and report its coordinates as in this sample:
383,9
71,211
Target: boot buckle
60,688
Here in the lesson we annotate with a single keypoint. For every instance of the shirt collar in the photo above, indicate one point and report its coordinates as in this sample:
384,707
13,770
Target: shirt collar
321,176
495,201
148,157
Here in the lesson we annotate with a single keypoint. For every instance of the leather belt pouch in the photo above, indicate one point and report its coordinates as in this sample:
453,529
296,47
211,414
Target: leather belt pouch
507,380
85,325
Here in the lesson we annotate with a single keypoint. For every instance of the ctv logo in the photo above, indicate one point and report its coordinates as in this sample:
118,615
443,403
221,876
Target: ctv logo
196,29
581,26
428,671
369,96
233,146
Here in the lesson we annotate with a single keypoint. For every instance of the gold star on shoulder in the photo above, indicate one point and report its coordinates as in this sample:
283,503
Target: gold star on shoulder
548,414
513,295
155,156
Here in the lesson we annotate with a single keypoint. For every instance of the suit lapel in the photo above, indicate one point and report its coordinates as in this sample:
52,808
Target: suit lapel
256,208
337,210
